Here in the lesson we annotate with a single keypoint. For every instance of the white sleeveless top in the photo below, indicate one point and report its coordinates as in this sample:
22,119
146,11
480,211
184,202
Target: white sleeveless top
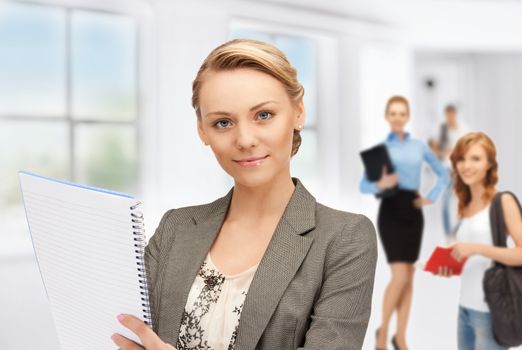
213,308
475,229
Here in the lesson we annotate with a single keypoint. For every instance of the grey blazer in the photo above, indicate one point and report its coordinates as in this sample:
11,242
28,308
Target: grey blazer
312,288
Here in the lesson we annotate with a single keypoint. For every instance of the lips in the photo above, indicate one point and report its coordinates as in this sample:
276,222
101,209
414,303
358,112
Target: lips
467,174
468,177
251,161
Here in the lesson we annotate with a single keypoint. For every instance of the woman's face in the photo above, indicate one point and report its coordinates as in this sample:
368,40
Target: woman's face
248,120
473,166
397,116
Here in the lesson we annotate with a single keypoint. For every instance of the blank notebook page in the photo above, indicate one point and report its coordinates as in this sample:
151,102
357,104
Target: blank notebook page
84,243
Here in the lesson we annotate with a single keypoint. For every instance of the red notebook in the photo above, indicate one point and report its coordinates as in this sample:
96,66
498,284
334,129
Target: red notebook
442,257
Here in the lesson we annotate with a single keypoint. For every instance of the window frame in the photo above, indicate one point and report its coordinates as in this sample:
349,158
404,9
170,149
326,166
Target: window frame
144,126
73,123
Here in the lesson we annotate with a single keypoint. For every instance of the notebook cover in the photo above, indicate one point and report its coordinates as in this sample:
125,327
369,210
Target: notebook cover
441,257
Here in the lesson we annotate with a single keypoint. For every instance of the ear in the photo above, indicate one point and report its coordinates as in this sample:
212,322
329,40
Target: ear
300,115
201,132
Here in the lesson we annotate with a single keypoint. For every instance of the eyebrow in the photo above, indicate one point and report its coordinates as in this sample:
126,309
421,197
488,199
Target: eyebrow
262,104
251,109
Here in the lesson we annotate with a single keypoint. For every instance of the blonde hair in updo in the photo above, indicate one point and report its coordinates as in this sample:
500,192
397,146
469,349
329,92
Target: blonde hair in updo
253,54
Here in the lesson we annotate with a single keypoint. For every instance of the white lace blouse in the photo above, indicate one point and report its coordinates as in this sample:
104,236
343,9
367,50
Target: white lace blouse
213,308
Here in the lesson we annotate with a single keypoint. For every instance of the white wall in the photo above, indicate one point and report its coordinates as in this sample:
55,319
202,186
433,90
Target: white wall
498,111
448,74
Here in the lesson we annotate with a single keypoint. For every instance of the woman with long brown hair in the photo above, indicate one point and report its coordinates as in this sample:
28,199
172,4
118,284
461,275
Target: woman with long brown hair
400,218
476,175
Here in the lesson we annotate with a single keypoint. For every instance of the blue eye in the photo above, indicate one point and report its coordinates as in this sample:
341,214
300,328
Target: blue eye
222,124
264,115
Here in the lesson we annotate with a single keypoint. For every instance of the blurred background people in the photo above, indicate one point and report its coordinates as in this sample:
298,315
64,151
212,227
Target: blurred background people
442,144
400,220
474,160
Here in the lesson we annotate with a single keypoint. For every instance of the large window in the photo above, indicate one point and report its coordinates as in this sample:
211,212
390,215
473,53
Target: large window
301,52
68,99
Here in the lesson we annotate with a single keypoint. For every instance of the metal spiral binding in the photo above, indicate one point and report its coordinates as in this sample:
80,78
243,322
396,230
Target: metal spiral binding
139,248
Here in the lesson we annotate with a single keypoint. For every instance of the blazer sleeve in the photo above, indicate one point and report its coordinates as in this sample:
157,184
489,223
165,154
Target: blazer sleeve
342,310
152,260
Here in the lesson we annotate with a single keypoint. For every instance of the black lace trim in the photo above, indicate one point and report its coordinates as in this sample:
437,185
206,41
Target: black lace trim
191,334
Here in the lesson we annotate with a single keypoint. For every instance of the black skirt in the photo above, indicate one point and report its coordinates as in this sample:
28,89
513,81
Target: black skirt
400,227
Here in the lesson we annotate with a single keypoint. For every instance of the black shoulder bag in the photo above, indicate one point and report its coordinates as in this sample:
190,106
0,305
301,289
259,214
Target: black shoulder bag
503,285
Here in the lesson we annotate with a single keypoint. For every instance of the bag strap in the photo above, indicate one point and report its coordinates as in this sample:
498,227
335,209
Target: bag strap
496,216
497,221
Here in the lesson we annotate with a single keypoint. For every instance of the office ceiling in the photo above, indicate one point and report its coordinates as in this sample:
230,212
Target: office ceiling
488,24
409,11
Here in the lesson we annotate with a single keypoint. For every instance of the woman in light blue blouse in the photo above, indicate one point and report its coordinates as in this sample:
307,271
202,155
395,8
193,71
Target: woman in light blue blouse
400,219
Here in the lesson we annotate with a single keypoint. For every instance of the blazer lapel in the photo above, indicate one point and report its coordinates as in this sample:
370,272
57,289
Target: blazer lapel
285,253
189,249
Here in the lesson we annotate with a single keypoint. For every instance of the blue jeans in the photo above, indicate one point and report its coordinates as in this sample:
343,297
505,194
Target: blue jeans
447,199
475,331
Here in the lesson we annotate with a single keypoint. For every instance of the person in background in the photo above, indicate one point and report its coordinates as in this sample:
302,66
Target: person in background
266,266
400,218
442,145
475,164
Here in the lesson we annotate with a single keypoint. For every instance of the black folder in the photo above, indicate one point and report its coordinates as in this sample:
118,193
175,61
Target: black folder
374,159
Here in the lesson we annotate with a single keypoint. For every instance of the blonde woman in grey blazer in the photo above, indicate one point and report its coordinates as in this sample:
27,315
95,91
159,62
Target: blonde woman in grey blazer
307,269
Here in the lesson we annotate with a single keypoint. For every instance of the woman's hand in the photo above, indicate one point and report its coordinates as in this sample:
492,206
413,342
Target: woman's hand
146,335
444,271
387,180
421,201
462,251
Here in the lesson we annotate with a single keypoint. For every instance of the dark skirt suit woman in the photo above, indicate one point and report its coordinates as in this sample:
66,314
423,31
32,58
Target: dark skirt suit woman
400,219
266,266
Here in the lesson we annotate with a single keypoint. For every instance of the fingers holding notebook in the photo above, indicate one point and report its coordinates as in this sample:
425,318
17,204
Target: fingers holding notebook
147,336
442,262
387,180
444,271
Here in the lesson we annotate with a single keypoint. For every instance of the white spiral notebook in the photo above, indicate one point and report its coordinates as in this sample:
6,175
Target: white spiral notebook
89,244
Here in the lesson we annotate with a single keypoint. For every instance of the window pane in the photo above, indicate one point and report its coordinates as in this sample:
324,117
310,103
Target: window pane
33,146
106,157
32,60
301,53
104,66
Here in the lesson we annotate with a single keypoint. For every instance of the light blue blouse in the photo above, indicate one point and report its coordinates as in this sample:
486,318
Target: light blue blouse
407,156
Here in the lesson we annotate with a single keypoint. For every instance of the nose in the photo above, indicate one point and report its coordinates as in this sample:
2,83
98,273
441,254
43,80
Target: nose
246,136
466,165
